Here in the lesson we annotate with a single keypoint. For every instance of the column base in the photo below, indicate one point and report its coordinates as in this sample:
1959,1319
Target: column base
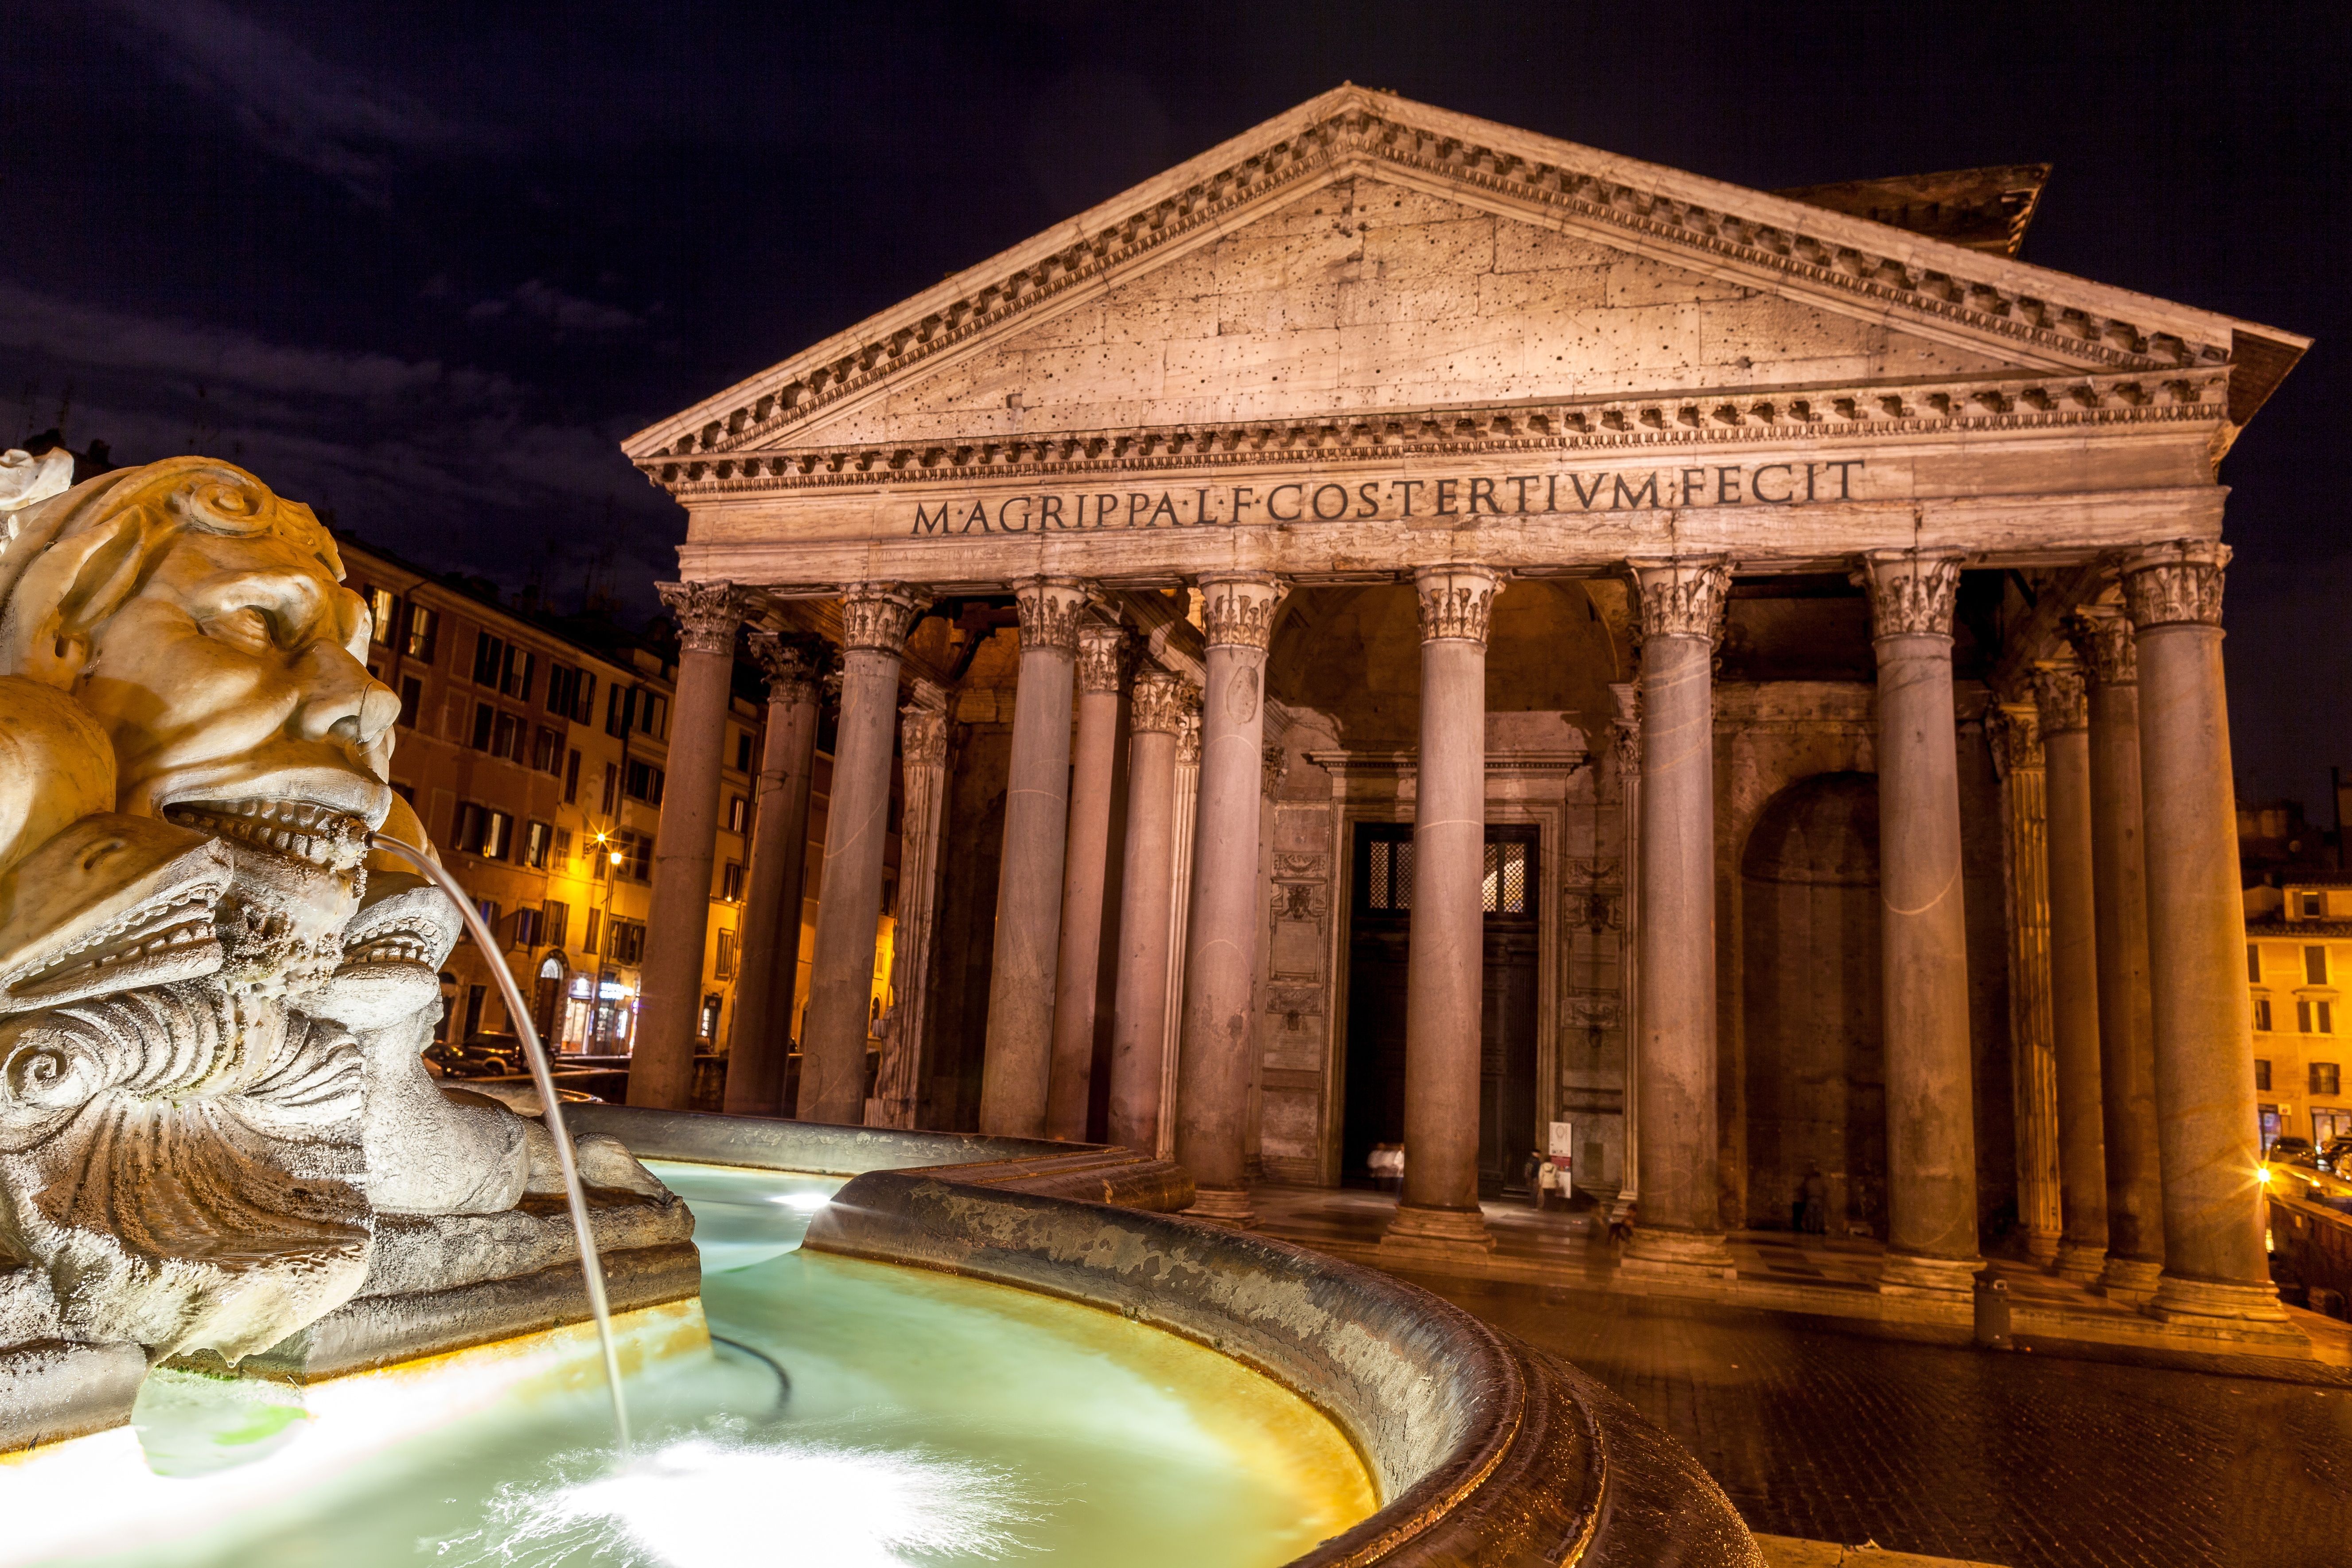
2041,1249
1678,1257
1908,1274
1223,1205
2131,1280
2082,1263
1435,1235
2239,1313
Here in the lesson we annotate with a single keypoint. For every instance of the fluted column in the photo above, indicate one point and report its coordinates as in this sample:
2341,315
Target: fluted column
875,620
1681,606
1445,949
1086,874
1157,713
2074,972
1930,1106
770,971
922,818
2103,639
1626,748
1187,817
2215,1273
1221,947
1019,1064
2015,729
661,1064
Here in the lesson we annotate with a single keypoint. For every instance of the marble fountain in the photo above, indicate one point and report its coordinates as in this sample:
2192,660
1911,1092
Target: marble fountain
270,1294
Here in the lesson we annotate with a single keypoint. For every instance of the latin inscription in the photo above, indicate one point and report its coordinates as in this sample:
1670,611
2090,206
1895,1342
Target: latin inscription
1364,500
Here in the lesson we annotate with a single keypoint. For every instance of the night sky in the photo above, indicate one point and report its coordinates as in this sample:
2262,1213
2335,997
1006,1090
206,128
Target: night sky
423,265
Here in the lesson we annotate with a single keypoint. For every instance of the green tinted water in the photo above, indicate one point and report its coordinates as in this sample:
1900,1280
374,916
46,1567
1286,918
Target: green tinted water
851,1413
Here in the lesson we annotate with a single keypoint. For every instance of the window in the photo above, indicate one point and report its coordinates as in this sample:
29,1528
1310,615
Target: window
467,833
2315,1017
705,1027
571,780
2262,1075
383,616
1505,883
509,738
595,928
637,856
2263,1015
486,719
2315,966
628,941
652,714
739,813
555,922
2254,963
643,782
744,752
612,786
489,909
730,882
424,631
726,955
526,927
501,664
1388,880
547,750
2326,1077
497,836
484,831
620,709
571,692
2315,905
538,838
563,846
412,698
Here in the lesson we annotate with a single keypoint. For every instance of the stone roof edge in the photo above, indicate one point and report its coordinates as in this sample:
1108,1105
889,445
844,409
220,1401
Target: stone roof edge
1817,241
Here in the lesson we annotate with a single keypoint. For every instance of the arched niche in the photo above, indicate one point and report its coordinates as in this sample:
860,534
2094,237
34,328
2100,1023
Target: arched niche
1816,1078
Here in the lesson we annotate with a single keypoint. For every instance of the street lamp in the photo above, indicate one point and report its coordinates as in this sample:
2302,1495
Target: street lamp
603,943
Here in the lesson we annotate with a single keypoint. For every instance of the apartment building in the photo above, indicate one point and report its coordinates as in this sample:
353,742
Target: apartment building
2298,959
536,758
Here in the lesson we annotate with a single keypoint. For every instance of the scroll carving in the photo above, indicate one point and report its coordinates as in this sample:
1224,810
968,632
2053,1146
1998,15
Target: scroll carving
1161,703
1684,597
2102,636
2175,585
707,613
1238,612
877,616
1049,609
1455,602
2061,698
1912,592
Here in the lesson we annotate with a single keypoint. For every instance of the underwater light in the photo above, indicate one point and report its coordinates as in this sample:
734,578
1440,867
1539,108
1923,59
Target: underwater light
807,1203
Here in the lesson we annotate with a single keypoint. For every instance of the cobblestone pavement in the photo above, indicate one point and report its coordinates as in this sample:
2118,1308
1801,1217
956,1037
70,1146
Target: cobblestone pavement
2009,1458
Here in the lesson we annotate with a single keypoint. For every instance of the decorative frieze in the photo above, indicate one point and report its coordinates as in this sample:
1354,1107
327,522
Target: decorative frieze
1103,653
1050,609
1912,592
2177,584
1238,612
1161,703
1681,597
792,665
2062,698
1455,602
707,613
2102,636
879,615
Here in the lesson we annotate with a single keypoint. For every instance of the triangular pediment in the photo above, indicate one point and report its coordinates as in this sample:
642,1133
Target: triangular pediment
1363,255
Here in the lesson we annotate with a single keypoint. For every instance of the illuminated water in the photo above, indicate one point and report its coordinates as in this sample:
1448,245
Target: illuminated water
854,1413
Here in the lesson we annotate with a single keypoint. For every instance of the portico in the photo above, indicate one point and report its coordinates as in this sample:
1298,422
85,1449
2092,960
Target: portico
1592,584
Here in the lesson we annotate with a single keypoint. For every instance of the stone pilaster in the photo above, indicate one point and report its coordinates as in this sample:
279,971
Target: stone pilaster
1160,707
1930,1115
770,966
922,818
661,1064
1103,653
2065,707
1625,751
1681,606
2216,1276
874,618
2015,731
1446,954
1213,1070
1015,1075
1187,817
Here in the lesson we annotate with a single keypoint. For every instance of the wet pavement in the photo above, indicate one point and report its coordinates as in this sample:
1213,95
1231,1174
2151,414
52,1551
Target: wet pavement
2003,1458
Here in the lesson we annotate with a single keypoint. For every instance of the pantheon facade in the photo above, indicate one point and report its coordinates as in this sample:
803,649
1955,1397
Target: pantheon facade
1404,634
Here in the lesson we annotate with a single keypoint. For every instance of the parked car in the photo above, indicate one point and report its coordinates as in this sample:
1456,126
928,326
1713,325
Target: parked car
2291,1150
2336,1156
481,1057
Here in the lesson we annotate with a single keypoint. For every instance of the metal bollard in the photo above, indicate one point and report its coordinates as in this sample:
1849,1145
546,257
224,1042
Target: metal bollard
1992,1312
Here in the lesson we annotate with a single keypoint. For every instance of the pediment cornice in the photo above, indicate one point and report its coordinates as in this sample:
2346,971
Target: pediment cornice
2026,312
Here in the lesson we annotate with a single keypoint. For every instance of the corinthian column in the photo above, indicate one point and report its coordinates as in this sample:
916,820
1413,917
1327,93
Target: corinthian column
2215,1274
2103,639
1016,1071
922,815
1445,951
1094,765
2074,972
1681,606
1221,949
875,620
661,1067
1187,817
762,1038
1626,749
1139,1040
1931,1152
2016,734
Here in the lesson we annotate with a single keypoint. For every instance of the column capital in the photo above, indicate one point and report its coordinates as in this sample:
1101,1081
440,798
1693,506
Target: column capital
2102,637
1626,728
793,667
1103,653
2015,731
879,615
2174,584
1912,592
1237,610
1050,609
1188,741
1455,601
2061,698
1680,596
923,734
1161,703
707,613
